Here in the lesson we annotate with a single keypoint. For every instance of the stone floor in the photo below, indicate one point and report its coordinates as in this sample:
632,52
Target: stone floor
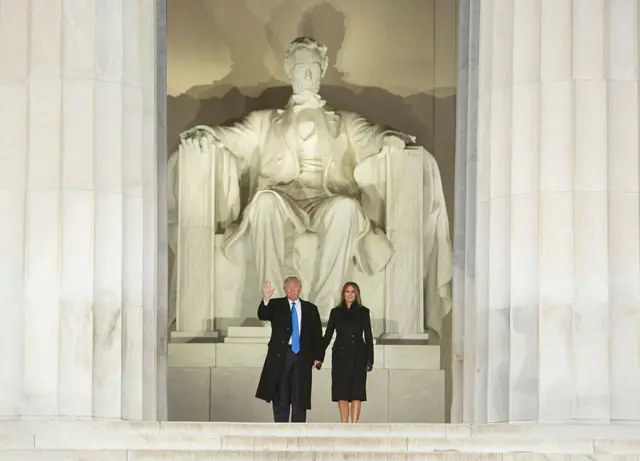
123,441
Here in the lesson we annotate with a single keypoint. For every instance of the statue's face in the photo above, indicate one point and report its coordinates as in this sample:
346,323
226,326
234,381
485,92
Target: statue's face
292,290
306,72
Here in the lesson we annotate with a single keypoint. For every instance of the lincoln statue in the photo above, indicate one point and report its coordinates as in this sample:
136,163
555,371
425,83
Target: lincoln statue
303,165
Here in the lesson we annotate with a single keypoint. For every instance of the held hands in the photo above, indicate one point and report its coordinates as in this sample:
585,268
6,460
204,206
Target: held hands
267,291
317,364
369,366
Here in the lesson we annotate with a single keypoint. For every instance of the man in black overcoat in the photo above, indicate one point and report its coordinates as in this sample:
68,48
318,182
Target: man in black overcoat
295,348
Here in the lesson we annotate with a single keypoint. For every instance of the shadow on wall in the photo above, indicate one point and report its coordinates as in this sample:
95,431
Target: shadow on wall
222,103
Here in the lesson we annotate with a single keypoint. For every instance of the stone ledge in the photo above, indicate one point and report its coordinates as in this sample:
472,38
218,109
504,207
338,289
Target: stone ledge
108,440
250,354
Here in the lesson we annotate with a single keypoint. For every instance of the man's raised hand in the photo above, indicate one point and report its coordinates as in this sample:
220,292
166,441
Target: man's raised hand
267,291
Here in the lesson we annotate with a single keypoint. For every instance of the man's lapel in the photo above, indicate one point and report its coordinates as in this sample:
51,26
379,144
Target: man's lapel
287,312
304,317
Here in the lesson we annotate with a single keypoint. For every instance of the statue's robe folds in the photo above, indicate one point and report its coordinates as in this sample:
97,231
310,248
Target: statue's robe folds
260,152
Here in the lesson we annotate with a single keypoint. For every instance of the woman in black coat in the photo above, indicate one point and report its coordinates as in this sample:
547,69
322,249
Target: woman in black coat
352,355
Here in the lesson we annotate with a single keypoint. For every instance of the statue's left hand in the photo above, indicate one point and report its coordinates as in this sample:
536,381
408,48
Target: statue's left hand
392,143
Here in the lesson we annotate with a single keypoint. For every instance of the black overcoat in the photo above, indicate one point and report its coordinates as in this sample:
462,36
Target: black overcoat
312,347
352,352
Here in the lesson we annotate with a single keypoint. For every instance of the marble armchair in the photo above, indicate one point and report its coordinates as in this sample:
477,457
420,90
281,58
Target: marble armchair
209,292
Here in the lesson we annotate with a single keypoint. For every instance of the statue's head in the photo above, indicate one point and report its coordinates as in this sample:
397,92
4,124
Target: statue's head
305,63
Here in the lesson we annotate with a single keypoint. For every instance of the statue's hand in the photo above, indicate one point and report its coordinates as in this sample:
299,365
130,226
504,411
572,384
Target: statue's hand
392,143
199,137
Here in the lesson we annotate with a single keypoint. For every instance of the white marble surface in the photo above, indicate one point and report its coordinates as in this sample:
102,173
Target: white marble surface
162,273
547,315
252,354
89,441
404,275
210,286
395,296
78,189
217,382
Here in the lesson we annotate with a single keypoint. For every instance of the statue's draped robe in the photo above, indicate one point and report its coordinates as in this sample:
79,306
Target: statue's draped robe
261,150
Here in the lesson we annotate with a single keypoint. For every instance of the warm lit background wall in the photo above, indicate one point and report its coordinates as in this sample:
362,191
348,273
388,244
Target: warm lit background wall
393,61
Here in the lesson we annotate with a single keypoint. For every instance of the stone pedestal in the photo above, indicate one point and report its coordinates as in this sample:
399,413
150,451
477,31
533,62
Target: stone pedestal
547,288
81,330
217,382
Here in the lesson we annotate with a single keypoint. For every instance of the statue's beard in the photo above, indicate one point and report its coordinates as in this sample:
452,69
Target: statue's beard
307,100
304,88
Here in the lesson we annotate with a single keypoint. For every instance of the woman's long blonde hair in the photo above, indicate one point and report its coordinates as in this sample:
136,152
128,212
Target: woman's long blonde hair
355,286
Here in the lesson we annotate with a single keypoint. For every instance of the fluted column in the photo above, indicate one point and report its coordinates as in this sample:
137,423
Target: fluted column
547,289
79,323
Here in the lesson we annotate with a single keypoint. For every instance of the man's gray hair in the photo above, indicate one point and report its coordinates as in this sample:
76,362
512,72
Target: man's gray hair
310,44
290,279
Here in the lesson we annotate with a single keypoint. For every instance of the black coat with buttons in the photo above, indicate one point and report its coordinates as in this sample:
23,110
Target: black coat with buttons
312,348
352,352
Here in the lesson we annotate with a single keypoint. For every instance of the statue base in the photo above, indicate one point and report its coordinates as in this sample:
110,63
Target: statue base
217,382
402,338
188,336
255,335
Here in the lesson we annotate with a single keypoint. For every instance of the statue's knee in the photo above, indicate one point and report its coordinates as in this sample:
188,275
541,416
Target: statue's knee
265,200
262,205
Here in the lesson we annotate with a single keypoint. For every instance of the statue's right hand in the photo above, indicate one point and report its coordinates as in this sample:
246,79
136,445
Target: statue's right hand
198,137
267,290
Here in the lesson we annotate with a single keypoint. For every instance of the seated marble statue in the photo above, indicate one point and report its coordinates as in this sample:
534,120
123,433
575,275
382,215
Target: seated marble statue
303,161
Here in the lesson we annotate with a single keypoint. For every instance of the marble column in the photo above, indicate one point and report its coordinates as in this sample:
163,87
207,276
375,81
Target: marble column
81,333
547,240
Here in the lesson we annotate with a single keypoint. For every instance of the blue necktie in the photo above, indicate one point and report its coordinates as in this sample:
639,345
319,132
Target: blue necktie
295,335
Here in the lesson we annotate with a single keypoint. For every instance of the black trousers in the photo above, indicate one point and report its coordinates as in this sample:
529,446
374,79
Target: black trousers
287,400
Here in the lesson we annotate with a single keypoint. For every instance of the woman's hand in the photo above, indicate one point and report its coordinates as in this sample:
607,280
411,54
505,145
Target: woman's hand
369,366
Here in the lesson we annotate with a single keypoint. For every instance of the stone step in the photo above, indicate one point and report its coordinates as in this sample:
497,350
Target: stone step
182,455
136,441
